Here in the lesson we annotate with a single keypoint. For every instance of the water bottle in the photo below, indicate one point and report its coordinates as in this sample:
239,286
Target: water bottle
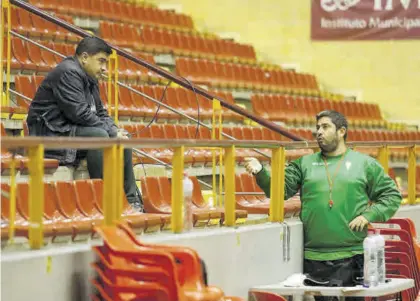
187,210
371,262
380,249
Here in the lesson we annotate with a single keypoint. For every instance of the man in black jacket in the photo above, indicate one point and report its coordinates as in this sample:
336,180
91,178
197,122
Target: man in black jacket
67,104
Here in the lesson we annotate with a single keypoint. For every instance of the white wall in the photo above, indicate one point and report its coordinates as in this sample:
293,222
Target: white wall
236,258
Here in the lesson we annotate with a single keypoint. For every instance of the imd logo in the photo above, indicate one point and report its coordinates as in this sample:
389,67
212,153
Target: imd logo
334,5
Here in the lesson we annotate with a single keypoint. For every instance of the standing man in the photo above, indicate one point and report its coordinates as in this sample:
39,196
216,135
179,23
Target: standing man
67,104
335,186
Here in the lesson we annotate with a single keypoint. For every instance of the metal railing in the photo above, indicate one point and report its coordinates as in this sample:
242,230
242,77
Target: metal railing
113,174
118,51
112,78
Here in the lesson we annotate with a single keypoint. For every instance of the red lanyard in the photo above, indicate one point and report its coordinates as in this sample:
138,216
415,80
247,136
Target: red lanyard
331,180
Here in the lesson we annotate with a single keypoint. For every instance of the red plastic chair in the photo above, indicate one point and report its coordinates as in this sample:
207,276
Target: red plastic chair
265,296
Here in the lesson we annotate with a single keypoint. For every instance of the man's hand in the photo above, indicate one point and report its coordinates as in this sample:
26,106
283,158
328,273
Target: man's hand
123,134
359,223
252,165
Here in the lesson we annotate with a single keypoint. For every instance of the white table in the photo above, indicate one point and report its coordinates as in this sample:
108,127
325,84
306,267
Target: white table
394,286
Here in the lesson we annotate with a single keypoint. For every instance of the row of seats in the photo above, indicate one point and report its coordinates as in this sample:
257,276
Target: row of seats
156,193
157,198
72,209
397,154
227,75
30,57
135,106
33,26
404,192
22,162
258,203
186,101
160,40
382,135
298,110
200,157
119,11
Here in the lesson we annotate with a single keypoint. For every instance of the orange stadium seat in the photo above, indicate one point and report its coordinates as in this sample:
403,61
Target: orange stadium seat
139,221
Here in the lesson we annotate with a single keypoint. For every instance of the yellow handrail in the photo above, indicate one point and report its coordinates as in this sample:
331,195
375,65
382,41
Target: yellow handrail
215,112
113,174
36,196
1,48
12,209
412,175
5,5
383,158
229,177
278,161
109,185
113,80
177,193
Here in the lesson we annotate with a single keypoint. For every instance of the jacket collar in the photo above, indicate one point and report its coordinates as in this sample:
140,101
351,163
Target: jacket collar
90,80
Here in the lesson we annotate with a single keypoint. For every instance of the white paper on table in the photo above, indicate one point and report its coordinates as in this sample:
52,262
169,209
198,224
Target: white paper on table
352,289
295,280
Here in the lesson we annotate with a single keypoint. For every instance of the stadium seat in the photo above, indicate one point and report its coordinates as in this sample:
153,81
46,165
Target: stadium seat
157,199
138,221
199,202
22,162
265,296
259,204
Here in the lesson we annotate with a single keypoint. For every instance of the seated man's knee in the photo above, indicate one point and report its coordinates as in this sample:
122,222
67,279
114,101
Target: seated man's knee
98,132
92,132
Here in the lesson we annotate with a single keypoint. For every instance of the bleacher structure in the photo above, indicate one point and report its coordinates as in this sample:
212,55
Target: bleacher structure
153,106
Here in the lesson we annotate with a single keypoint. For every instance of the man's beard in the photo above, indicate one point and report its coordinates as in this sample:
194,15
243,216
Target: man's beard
329,147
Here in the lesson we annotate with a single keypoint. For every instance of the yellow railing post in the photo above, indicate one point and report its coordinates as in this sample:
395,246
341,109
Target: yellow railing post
112,65
119,187
36,196
5,5
220,127
110,184
278,160
229,177
177,193
12,199
116,85
412,175
216,108
383,158
1,48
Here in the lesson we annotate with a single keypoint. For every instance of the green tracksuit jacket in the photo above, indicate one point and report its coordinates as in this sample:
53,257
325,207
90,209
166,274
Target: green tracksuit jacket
360,178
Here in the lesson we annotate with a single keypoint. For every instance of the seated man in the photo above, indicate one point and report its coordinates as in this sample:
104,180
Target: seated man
67,104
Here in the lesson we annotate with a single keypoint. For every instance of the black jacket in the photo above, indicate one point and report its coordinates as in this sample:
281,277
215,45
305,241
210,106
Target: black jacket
67,98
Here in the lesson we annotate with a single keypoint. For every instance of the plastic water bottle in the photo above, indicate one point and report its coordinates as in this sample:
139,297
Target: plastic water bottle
371,262
187,212
380,249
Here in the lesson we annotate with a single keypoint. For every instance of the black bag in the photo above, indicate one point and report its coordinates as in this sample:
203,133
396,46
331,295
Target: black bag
343,272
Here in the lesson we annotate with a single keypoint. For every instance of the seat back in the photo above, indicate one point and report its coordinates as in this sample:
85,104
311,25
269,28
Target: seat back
66,197
197,198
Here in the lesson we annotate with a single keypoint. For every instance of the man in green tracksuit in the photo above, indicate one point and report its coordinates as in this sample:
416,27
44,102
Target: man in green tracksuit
335,186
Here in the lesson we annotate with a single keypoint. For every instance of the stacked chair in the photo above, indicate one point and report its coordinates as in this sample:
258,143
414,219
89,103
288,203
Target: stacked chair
127,269
402,254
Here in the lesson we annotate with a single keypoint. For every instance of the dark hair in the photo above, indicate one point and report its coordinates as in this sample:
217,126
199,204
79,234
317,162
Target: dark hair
338,119
93,45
